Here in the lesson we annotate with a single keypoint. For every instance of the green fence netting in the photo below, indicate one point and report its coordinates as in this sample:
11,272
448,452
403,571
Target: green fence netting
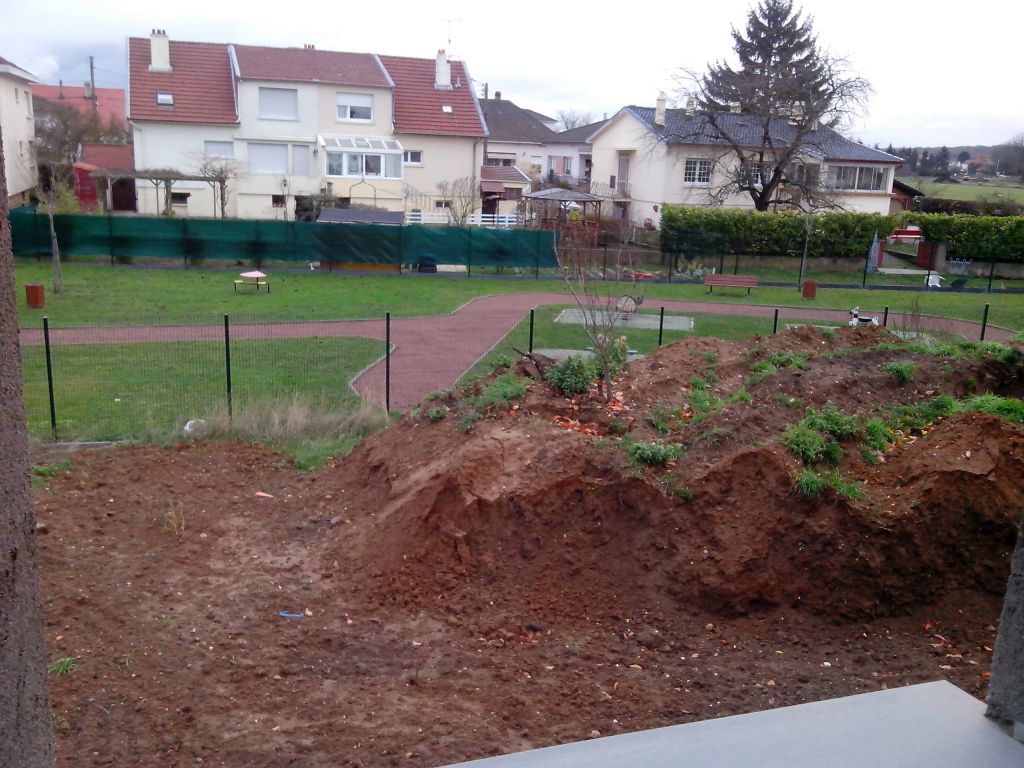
197,240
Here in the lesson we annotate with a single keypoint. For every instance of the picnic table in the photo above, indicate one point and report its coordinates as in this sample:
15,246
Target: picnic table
255,279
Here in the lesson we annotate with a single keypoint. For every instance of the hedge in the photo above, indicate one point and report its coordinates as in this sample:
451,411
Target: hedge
703,231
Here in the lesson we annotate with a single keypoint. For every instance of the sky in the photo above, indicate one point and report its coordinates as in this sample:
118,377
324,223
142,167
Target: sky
941,73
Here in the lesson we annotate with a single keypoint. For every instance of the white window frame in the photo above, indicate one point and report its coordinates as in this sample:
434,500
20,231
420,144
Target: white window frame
344,110
348,156
698,169
568,166
865,178
407,158
270,112
164,99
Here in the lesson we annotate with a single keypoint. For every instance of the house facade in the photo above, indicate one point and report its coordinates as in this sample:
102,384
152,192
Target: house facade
297,128
644,157
516,137
17,122
568,156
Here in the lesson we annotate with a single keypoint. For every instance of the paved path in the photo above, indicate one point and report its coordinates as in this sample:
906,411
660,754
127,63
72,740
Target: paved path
431,352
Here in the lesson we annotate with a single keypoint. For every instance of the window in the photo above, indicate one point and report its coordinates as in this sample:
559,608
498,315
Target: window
697,172
754,174
355,106
219,148
447,109
804,175
165,99
28,103
268,158
279,104
442,204
388,166
863,178
180,198
300,160
568,166
413,157
277,201
512,193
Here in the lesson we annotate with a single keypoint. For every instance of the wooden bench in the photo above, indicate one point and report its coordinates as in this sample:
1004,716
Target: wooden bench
730,281
257,283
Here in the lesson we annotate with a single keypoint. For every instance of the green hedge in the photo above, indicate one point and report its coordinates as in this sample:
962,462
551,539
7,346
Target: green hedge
696,232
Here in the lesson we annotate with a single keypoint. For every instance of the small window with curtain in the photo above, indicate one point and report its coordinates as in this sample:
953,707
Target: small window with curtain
355,106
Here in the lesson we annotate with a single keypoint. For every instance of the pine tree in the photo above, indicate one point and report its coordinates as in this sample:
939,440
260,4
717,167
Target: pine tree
942,161
890,150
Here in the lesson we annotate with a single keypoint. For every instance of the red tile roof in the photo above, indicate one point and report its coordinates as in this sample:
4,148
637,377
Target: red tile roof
418,104
200,80
504,173
109,101
119,157
305,65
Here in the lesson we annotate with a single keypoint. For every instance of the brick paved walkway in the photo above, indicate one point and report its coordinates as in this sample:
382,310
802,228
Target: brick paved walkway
431,352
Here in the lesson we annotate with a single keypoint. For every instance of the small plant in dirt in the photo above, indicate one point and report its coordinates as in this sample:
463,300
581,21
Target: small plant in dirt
501,362
740,396
787,360
710,357
828,333
174,519
923,414
1009,408
618,427
832,421
503,390
64,666
696,382
805,443
436,414
760,371
703,404
810,484
572,376
682,492
43,473
469,420
653,454
714,436
843,487
659,418
710,375
901,373
441,395
877,435
790,402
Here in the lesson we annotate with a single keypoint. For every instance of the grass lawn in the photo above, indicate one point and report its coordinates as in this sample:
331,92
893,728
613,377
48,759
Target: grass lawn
114,391
102,295
968,191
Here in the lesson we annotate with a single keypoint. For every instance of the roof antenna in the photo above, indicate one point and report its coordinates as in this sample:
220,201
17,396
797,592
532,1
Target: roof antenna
449,21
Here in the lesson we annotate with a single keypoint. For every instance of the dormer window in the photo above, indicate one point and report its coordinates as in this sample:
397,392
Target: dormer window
447,109
164,99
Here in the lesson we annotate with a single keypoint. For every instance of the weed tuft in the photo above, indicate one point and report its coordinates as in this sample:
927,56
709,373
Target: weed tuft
653,454
901,373
572,376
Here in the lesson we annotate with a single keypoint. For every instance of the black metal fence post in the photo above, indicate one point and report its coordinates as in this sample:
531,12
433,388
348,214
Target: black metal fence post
227,366
604,264
775,322
529,348
991,274
387,362
661,326
49,378
885,318
984,323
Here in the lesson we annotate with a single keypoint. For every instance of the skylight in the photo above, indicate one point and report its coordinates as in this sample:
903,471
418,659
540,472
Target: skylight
337,141
447,109
165,99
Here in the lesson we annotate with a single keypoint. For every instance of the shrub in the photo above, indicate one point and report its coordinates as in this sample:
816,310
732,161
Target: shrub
501,362
653,453
901,372
572,376
833,453
877,435
805,443
436,414
832,421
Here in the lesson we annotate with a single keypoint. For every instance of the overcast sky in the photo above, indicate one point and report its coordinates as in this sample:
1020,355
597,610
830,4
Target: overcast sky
942,72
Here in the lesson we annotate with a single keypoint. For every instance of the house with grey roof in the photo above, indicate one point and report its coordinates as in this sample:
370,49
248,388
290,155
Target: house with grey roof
644,157
568,156
515,135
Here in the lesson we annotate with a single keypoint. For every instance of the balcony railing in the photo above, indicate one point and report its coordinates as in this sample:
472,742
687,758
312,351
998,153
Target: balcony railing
486,220
619,191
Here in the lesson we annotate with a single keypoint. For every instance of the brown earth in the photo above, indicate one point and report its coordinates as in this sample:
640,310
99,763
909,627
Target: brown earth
523,584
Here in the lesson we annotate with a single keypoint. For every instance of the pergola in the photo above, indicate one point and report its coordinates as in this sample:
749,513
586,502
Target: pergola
155,176
560,199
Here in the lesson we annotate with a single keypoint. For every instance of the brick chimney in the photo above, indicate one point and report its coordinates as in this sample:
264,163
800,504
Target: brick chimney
1006,687
442,72
159,51
659,110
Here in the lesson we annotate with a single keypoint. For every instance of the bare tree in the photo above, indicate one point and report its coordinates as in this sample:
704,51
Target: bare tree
597,299
54,190
26,734
218,171
773,115
1012,153
462,198
571,118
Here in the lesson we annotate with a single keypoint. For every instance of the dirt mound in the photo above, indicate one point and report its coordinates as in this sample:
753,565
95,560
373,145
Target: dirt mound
539,507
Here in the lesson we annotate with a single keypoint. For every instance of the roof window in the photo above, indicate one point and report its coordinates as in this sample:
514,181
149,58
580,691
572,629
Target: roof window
447,109
165,99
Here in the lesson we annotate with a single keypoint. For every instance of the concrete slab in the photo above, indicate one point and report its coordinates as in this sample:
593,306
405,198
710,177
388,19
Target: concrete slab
635,320
934,725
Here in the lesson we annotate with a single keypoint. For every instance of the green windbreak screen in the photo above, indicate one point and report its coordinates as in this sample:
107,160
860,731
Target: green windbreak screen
235,240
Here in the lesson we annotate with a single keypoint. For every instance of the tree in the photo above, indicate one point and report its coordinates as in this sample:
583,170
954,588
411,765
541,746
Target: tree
1010,155
570,118
26,735
942,162
461,198
218,171
964,156
794,92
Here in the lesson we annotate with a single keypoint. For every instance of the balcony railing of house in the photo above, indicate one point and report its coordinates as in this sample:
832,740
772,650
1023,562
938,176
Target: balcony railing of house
576,183
487,220
619,191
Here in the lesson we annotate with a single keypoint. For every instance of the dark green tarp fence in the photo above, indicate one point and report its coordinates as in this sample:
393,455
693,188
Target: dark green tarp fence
196,240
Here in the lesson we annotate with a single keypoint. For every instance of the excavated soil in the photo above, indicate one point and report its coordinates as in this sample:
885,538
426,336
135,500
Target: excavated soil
453,594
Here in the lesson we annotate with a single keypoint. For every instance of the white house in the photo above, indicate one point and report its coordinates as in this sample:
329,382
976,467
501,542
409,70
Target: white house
568,156
644,157
515,135
16,121
299,124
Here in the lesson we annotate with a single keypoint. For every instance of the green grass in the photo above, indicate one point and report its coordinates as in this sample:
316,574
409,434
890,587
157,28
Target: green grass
43,473
98,294
111,391
831,420
901,373
968,191
653,454
63,666
805,443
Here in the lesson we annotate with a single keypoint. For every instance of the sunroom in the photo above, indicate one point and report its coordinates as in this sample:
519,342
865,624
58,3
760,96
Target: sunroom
361,157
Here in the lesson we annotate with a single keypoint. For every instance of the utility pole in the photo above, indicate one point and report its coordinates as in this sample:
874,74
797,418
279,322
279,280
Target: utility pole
92,85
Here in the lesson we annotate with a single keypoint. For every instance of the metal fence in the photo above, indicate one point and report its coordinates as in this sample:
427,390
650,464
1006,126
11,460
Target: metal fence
114,382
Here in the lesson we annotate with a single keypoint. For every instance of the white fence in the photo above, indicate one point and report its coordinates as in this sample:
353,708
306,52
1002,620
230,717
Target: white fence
489,220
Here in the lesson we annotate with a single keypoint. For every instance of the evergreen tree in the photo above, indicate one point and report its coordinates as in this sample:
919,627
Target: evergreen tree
964,156
890,150
781,76
942,161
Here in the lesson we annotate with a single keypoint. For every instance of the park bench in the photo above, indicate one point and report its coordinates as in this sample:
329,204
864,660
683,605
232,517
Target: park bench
730,281
255,282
